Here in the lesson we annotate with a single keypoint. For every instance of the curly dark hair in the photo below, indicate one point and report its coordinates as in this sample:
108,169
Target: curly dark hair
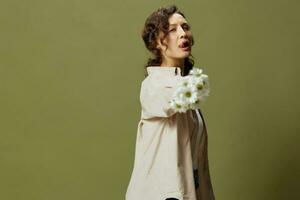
158,22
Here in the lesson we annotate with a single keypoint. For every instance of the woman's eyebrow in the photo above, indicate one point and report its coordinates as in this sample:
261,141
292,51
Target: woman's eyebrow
182,23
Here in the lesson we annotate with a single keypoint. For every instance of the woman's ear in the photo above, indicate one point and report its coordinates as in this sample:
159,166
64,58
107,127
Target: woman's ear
160,45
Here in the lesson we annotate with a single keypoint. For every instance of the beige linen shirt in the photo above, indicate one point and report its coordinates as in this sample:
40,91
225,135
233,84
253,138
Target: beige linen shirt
171,158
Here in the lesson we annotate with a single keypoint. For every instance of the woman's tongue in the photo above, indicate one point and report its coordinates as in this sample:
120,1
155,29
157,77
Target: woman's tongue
181,45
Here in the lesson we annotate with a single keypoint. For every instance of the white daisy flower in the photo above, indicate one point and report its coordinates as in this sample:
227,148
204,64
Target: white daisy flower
198,83
190,91
189,94
195,105
205,84
185,82
178,105
195,72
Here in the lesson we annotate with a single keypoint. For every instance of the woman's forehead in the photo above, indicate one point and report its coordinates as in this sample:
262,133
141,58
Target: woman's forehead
176,19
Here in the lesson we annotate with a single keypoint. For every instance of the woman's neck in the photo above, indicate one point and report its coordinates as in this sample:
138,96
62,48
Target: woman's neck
173,63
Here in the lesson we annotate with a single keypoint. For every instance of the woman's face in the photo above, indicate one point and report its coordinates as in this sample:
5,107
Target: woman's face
179,32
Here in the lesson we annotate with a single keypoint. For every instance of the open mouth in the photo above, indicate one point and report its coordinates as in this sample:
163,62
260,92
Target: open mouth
184,45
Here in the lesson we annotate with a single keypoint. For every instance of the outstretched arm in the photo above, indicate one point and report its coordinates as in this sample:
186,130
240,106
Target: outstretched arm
155,101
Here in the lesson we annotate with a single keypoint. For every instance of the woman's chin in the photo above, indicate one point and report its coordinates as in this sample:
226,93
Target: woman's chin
183,54
187,54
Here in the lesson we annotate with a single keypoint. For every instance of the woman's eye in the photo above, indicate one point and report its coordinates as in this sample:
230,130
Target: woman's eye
186,27
172,30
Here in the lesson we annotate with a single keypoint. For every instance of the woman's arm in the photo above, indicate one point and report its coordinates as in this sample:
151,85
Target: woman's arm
155,101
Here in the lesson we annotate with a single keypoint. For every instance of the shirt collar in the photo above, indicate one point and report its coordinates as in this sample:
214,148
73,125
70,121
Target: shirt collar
165,70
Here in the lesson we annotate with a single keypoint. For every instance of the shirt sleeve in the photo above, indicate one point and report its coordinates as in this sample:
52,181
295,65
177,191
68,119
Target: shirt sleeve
155,101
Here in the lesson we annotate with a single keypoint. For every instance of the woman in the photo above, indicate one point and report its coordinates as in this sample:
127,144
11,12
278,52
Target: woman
171,159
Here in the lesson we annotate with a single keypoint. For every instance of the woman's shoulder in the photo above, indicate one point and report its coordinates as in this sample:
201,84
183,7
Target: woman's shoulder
160,81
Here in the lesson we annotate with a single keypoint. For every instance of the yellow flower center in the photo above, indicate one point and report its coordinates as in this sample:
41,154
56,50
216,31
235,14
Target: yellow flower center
188,94
199,86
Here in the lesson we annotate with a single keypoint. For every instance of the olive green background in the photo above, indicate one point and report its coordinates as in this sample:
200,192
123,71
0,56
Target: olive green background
70,74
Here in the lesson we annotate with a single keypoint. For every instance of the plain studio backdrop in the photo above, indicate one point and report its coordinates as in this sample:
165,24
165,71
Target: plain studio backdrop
70,74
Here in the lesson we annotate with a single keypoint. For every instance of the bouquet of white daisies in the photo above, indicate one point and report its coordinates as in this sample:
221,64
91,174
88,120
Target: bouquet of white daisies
190,91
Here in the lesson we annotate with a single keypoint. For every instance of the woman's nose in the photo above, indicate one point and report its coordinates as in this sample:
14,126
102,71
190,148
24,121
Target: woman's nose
182,33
